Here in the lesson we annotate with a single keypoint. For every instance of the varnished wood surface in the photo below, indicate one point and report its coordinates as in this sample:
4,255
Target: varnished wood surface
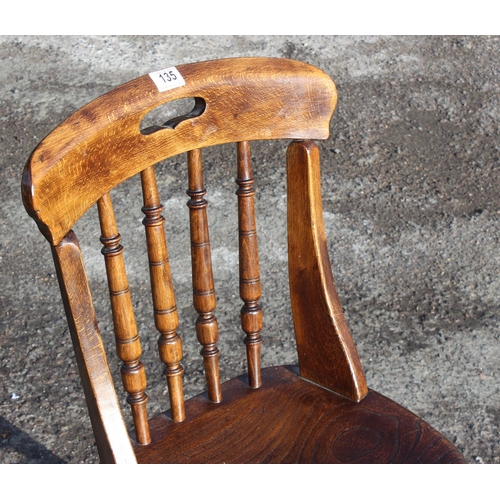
101,145
109,429
204,299
327,354
162,288
128,344
289,420
325,415
250,287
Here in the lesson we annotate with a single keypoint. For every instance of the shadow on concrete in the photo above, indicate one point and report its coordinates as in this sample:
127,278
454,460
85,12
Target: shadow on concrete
31,451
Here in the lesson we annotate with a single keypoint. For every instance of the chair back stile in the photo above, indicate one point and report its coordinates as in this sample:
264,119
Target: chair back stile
273,100
328,356
320,411
112,440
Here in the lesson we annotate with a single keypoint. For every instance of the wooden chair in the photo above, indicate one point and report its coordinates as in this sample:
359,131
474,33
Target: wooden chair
321,411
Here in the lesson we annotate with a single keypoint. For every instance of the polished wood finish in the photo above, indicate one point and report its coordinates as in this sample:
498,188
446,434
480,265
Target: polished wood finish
128,344
109,428
250,288
165,308
327,354
321,412
204,300
100,145
294,421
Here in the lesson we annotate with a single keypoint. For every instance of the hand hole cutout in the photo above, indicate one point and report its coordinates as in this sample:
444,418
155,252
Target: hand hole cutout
170,114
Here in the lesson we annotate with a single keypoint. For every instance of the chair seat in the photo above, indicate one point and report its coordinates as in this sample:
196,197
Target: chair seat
287,419
290,420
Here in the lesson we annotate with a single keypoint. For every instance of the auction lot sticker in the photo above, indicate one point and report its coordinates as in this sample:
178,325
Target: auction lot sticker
167,79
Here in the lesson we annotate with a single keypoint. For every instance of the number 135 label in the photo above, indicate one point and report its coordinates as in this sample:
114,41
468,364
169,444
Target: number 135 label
167,79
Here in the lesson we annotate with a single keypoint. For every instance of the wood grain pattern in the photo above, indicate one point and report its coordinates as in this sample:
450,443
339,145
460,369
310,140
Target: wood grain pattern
204,300
324,415
295,422
109,428
250,288
100,145
327,354
165,308
128,344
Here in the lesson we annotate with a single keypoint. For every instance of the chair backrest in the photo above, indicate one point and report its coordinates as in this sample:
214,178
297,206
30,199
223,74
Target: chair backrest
102,144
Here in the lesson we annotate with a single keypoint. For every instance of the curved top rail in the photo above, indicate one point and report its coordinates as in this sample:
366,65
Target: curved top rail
101,144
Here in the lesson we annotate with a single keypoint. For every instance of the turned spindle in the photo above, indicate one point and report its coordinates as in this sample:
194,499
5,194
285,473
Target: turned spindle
250,287
165,309
128,344
207,330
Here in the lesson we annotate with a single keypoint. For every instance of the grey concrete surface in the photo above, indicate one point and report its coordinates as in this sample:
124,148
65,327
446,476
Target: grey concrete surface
411,175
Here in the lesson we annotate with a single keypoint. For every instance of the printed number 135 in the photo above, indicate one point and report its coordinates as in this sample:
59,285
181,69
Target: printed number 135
168,77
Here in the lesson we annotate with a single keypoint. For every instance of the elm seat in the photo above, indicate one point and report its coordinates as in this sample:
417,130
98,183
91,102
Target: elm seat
320,411
295,422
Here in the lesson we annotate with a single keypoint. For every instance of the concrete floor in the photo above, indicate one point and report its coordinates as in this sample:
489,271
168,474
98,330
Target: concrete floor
411,210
